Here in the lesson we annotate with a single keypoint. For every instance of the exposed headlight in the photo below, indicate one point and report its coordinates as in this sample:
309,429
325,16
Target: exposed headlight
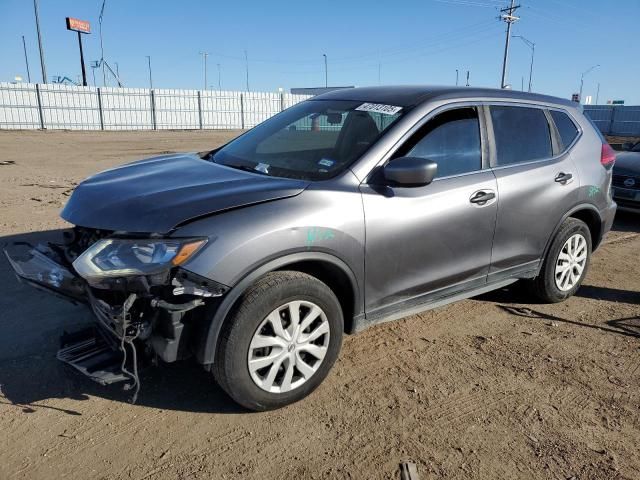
123,257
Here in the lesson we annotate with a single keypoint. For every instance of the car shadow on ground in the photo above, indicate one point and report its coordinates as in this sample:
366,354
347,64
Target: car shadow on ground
628,326
32,322
626,222
517,300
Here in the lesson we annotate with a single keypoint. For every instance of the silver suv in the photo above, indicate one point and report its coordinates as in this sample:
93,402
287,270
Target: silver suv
353,208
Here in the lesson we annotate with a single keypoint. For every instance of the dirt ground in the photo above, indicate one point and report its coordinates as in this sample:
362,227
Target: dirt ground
493,387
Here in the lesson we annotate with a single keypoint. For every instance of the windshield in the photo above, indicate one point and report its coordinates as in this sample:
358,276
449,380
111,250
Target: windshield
313,140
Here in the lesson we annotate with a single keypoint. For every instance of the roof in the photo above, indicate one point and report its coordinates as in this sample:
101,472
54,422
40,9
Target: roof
412,95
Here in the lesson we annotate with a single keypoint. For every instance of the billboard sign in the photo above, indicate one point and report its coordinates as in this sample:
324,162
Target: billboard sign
77,25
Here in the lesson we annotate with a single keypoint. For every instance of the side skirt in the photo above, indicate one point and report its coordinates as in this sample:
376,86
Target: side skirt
399,312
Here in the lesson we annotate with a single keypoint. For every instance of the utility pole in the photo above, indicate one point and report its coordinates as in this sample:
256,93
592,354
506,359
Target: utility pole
150,78
219,77
467,78
246,61
326,75
457,77
204,57
582,80
507,16
26,59
44,69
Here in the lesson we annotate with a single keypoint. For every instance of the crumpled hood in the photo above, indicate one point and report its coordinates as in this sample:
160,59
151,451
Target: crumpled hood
156,195
627,163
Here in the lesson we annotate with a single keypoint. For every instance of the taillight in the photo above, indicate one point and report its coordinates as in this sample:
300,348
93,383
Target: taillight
607,156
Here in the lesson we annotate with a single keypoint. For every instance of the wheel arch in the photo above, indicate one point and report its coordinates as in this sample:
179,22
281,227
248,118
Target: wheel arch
586,212
325,267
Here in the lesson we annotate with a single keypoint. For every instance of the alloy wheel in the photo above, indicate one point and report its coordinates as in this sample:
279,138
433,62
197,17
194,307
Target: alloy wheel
288,346
571,262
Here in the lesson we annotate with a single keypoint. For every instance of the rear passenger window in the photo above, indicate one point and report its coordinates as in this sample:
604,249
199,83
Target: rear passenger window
451,139
566,128
521,133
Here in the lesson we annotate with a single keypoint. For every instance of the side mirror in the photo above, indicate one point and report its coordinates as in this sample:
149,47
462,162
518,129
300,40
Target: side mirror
627,146
410,171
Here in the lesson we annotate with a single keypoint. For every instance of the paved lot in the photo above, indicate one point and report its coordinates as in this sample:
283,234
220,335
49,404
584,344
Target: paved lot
494,387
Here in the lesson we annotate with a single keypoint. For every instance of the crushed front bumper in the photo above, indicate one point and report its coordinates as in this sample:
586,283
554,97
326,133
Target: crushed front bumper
136,317
94,351
42,267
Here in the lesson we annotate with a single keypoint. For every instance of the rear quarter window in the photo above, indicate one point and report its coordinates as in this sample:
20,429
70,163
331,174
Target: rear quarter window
566,128
521,133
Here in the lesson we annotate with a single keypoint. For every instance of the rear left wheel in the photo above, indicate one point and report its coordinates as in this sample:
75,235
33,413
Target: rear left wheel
281,341
566,263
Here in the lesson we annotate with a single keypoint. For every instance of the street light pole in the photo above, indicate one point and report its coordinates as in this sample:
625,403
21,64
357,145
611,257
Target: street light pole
219,77
246,61
582,80
44,69
150,78
204,57
457,77
26,59
104,72
532,46
326,74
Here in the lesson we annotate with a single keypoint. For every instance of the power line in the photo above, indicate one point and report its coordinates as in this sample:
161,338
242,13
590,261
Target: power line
469,3
467,39
390,52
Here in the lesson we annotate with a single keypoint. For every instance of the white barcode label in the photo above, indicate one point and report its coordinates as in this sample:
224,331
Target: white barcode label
379,108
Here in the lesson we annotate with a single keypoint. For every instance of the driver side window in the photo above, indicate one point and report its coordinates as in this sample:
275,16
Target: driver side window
451,139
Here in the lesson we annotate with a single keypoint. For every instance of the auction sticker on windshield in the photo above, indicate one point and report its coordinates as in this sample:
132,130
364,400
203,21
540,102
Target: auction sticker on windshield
379,108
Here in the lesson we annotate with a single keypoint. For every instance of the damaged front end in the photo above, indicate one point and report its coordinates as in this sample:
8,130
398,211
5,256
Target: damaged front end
145,304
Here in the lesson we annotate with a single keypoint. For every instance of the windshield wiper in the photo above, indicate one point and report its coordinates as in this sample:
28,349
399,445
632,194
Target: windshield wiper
246,169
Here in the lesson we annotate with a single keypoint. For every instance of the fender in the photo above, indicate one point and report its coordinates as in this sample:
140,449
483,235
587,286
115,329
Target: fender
574,209
205,348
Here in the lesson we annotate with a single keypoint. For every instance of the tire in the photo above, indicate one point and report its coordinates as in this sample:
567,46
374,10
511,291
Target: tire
550,285
293,352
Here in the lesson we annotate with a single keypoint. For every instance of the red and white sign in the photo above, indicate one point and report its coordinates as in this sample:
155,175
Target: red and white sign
77,25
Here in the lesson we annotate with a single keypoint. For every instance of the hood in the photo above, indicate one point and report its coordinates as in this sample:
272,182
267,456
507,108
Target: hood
156,195
627,163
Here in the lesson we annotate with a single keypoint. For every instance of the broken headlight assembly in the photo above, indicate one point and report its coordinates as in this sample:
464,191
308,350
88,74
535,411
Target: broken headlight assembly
114,257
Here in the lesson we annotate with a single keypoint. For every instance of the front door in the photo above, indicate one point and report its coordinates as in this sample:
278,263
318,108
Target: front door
428,241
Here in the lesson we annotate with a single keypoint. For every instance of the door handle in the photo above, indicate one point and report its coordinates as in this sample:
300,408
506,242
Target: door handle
482,197
563,177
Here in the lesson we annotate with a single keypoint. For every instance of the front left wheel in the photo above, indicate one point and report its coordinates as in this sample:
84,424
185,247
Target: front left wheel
280,342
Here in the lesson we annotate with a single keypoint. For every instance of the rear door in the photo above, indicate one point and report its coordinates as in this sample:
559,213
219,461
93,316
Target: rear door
426,241
537,184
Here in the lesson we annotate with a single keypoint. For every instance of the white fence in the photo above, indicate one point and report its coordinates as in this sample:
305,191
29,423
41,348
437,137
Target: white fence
55,106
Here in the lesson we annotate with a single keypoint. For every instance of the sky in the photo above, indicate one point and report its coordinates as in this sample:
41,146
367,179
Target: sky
366,43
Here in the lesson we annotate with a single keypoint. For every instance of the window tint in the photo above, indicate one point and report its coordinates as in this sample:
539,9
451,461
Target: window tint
452,140
522,134
566,128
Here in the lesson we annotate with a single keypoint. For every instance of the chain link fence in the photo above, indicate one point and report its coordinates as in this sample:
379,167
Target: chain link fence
64,107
